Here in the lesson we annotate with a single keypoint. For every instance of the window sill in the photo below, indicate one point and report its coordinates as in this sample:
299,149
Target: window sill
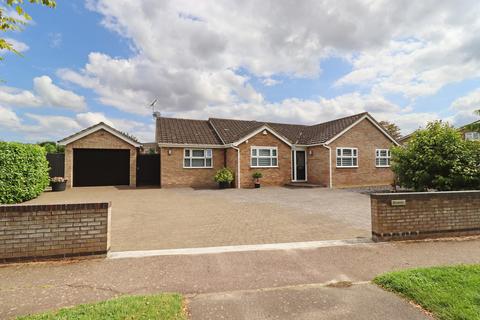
263,167
197,167
345,167
382,166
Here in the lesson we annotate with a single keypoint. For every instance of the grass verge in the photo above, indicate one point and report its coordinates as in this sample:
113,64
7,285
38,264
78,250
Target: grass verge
449,293
158,307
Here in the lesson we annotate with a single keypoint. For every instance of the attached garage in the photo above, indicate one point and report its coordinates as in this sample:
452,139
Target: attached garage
100,156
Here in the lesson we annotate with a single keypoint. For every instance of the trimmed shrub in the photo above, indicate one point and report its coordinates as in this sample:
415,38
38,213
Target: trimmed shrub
23,172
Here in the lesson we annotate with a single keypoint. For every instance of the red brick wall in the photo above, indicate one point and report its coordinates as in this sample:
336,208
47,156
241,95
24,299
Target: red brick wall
425,215
271,176
232,163
29,232
366,137
100,139
317,165
173,174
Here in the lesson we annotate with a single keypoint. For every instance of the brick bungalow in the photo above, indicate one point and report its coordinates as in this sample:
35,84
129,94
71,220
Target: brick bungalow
347,152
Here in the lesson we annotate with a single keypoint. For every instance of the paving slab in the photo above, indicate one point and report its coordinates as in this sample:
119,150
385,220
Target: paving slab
37,287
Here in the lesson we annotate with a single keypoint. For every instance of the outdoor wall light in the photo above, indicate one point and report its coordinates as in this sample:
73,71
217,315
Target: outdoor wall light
169,152
310,152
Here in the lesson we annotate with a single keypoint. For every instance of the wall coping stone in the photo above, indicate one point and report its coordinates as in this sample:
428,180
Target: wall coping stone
53,207
426,193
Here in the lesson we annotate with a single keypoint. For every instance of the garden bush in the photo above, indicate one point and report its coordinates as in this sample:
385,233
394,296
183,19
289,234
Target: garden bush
23,172
437,158
224,175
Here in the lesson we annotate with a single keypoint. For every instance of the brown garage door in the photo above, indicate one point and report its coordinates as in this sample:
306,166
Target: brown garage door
101,167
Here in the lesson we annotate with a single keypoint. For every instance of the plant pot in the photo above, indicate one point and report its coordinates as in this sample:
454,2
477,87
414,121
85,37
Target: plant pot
257,185
59,186
224,185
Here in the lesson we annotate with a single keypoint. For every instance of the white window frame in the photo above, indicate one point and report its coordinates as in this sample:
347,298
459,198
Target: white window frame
353,156
378,156
258,156
191,158
472,136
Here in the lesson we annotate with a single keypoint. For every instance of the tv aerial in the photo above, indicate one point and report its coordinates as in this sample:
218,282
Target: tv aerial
152,106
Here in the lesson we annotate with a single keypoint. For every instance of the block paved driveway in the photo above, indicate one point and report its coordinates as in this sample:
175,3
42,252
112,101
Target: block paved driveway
150,219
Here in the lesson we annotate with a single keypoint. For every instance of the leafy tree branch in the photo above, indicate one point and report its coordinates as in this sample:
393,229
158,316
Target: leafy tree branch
13,17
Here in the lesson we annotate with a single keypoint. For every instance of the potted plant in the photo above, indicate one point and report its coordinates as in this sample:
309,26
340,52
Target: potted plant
256,178
58,183
224,177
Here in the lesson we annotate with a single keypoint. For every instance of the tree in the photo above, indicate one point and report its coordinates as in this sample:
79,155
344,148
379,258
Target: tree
12,22
437,158
392,129
51,147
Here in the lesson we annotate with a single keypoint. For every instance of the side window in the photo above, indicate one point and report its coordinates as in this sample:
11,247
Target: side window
197,158
347,157
382,158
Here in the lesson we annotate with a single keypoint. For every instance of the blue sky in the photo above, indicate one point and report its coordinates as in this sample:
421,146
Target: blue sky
105,60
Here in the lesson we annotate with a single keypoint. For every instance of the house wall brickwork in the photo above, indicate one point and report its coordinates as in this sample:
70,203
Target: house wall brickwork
425,215
100,139
366,137
317,165
271,176
29,232
173,174
232,163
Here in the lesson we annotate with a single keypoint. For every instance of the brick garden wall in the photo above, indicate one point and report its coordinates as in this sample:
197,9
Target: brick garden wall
425,215
29,232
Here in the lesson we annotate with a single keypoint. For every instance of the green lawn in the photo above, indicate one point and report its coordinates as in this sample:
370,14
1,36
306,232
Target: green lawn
157,307
448,292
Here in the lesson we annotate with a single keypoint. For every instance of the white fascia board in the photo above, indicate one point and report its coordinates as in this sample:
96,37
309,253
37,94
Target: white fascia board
190,145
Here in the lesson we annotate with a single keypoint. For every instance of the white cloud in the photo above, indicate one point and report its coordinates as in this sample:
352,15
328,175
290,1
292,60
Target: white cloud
16,97
38,127
319,110
464,107
8,118
55,39
270,82
191,55
55,96
17,45
45,93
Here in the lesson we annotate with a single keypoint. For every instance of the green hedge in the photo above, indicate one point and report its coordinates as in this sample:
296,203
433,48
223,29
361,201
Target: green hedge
23,172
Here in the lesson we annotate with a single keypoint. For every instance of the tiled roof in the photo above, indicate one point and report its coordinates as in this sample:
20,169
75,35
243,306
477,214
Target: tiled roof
325,131
186,131
225,131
